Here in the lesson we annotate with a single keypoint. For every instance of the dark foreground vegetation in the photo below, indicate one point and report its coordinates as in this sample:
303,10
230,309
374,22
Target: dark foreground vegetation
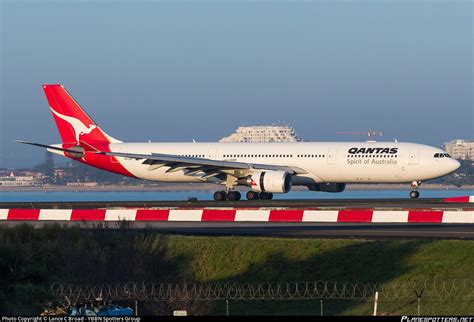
31,259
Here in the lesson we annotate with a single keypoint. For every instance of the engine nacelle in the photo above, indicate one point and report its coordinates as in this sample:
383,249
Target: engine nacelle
268,181
327,187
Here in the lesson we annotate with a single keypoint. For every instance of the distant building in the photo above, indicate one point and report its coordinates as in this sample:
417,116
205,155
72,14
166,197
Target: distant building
26,179
82,184
60,173
263,133
460,149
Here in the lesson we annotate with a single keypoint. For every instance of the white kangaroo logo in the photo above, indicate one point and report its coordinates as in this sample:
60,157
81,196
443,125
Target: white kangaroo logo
79,127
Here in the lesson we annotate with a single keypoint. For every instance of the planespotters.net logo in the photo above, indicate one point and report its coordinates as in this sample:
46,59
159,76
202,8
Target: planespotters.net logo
437,319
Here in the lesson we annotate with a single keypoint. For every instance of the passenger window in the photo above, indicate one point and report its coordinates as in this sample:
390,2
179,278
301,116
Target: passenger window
436,155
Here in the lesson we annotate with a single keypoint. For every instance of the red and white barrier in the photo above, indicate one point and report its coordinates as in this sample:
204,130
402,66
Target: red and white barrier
460,199
243,215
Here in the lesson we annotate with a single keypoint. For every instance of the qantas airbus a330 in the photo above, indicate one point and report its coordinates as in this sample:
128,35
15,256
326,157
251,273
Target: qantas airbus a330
265,168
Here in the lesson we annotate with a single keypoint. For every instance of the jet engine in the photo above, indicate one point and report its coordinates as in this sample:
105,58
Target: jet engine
327,187
268,181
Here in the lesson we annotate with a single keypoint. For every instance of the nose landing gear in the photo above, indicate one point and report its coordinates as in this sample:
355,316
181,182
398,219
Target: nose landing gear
414,194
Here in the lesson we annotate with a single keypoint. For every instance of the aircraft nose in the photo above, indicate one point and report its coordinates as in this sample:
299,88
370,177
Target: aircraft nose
454,165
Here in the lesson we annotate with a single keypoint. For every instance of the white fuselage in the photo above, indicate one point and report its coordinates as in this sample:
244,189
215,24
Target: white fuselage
322,162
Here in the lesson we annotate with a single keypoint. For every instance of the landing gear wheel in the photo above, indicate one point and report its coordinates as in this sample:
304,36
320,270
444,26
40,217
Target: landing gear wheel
252,195
414,194
220,195
233,195
266,195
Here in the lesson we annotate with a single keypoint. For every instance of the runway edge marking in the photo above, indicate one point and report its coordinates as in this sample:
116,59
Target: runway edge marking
23,214
242,215
253,215
320,215
462,199
425,216
458,217
4,214
185,215
119,215
55,214
383,216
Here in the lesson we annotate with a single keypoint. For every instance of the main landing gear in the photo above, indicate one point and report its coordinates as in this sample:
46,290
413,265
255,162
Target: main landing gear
233,195
414,194
230,195
253,195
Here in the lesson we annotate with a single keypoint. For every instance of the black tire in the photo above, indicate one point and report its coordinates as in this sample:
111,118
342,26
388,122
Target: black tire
264,195
251,195
414,194
238,195
219,195
232,195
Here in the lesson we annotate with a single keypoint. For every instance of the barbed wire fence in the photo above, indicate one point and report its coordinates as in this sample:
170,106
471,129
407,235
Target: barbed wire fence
395,292
440,290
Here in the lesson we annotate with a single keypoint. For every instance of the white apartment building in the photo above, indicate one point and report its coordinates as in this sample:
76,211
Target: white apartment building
18,181
460,149
263,133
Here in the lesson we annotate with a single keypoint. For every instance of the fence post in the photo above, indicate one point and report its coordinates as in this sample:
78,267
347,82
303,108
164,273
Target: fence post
376,302
419,306
227,307
321,306
136,308
418,295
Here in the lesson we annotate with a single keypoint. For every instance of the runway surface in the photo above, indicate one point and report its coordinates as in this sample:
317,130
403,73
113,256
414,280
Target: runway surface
298,230
299,203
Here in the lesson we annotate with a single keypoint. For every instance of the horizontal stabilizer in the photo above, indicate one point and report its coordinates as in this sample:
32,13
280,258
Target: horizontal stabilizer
75,152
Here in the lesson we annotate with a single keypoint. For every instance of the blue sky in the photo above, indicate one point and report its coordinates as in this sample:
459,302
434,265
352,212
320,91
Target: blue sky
183,70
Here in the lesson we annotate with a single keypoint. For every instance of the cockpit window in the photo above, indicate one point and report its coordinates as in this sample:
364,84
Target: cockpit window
442,155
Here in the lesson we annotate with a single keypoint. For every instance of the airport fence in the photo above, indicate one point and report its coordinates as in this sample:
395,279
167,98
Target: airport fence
440,290
315,297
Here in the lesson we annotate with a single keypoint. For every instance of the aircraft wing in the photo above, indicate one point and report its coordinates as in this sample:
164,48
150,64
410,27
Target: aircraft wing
203,168
193,166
